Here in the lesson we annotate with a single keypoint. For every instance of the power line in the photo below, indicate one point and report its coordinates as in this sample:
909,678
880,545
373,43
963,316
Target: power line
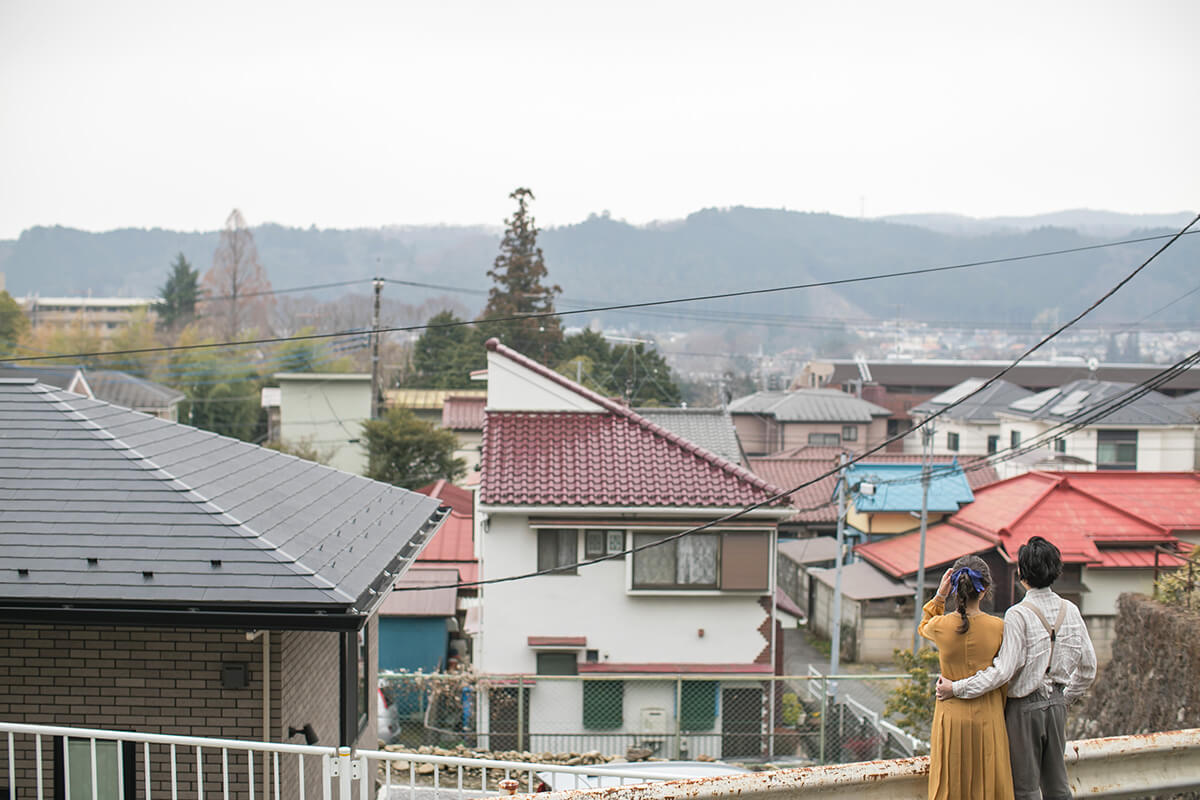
776,497
643,304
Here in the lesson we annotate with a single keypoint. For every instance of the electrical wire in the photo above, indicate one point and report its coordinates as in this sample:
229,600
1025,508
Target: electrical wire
787,493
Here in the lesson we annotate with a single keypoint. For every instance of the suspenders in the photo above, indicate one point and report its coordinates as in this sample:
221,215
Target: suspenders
1050,629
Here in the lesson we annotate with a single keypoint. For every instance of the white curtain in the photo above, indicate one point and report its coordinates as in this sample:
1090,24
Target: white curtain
696,561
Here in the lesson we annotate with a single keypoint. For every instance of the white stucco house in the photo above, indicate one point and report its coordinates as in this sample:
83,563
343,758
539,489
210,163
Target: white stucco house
662,637
326,410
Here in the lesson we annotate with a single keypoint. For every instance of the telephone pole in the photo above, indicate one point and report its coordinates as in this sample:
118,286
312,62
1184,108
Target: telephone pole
835,646
919,597
375,388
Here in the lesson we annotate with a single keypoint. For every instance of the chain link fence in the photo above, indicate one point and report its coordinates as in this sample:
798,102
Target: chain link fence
807,719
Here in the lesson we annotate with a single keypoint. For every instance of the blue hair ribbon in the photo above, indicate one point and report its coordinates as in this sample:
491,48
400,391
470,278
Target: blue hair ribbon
976,578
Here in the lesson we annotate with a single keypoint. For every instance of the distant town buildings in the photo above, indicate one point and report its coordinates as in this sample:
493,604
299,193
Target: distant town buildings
102,315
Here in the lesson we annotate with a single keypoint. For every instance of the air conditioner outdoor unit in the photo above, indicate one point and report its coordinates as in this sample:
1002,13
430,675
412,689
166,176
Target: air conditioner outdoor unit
654,721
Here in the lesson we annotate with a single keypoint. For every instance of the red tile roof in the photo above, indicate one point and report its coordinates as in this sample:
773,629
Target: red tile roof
454,544
463,413
899,556
613,458
1138,559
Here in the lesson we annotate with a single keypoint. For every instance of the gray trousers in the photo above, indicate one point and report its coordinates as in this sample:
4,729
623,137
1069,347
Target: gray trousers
1037,732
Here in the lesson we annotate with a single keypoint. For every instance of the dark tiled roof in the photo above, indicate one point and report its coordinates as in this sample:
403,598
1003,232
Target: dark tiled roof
1152,408
978,408
1035,375
809,405
102,506
711,428
130,391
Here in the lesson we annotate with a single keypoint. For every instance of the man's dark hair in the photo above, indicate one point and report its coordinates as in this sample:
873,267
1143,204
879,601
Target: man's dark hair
1039,563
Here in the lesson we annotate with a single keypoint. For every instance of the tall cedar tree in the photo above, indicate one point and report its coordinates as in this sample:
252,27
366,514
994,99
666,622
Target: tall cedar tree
179,296
236,288
406,451
519,271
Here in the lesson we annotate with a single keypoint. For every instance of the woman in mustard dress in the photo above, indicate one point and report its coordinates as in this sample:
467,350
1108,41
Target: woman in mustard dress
968,743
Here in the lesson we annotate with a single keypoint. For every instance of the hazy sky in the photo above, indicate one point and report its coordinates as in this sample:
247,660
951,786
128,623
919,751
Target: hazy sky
346,114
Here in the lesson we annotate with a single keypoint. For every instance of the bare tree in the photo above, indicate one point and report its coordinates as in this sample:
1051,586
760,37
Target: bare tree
236,288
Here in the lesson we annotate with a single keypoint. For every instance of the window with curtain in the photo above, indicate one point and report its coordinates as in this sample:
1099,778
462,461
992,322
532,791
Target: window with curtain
1116,449
691,562
558,550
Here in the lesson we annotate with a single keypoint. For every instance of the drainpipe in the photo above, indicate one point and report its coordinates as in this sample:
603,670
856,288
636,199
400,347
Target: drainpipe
266,702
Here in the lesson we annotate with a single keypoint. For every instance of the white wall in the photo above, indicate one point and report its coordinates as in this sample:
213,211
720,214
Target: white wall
1104,585
513,387
972,438
328,410
1160,448
623,627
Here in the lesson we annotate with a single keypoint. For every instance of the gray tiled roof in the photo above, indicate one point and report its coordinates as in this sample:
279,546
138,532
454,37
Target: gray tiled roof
130,391
809,405
979,408
101,506
1152,408
711,428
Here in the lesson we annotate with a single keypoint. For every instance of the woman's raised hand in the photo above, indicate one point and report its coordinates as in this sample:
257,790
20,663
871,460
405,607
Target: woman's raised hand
944,587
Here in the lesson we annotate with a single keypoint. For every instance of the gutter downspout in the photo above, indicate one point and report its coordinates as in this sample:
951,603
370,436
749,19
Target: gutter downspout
266,702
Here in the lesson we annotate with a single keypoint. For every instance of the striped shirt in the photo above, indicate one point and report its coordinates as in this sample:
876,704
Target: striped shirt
1025,651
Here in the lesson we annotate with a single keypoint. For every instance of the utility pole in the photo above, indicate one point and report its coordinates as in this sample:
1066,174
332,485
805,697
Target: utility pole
919,597
375,389
836,645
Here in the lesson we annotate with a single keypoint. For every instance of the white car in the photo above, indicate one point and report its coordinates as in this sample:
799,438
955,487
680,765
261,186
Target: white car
631,772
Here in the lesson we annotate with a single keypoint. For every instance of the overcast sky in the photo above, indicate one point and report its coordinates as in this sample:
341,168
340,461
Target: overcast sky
348,114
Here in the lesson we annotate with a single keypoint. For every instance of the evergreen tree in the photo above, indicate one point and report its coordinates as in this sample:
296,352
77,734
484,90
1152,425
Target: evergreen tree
446,353
180,294
519,272
406,451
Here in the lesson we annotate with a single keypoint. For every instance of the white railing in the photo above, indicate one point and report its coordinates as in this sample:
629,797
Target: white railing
187,766
182,766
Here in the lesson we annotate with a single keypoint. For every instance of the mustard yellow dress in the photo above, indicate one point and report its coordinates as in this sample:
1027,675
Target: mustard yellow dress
968,743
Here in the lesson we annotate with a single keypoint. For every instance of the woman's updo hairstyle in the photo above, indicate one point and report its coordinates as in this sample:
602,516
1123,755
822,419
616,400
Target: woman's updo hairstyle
966,587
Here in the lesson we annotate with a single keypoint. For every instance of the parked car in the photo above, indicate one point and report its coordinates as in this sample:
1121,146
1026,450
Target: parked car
389,719
628,773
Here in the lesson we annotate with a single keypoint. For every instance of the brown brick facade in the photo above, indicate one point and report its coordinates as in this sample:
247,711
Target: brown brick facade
168,681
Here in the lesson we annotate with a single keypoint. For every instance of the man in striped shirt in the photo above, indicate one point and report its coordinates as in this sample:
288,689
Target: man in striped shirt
1047,660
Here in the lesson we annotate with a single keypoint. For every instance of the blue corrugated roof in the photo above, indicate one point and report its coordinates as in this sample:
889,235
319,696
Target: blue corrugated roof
898,487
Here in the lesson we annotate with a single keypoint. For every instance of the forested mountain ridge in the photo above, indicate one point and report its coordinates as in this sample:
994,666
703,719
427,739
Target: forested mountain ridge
603,261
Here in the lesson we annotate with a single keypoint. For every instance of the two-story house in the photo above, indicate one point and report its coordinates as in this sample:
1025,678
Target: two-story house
768,422
629,567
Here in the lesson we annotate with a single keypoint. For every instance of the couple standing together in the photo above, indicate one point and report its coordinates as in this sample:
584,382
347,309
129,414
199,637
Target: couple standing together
988,743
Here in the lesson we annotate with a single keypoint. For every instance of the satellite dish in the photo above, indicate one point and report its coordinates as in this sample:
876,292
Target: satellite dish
1093,364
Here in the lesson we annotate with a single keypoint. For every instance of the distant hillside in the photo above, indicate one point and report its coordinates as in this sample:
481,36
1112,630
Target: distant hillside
601,260
1096,223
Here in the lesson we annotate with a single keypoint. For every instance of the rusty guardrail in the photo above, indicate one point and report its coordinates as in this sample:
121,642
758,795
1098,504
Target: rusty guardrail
1116,767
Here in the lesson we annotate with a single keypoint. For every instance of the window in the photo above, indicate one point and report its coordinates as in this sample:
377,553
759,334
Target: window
1116,450
73,764
558,550
850,433
601,543
557,664
1060,445
952,441
730,561
1014,438
824,439
698,705
689,562
603,705
993,444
